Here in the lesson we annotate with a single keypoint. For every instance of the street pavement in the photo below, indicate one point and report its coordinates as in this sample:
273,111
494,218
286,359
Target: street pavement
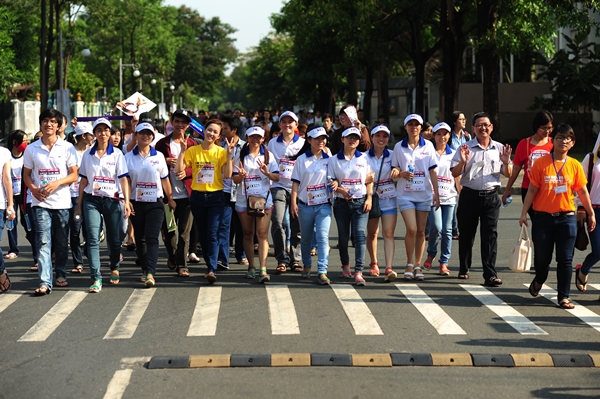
72,344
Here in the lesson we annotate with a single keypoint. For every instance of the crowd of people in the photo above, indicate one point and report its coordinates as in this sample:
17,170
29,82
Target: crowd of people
289,174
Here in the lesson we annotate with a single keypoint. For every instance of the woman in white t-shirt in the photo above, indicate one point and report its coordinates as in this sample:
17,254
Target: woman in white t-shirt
416,160
442,215
17,142
380,161
255,169
311,200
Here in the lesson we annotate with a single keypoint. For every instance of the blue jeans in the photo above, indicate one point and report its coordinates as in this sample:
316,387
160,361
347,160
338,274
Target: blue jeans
207,208
2,221
594,256
13,235
51,234
30,235
94,208
441,225
224,229
547,232
74,230
349,214
315,218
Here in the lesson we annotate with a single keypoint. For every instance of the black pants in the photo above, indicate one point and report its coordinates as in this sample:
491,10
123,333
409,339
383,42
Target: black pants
177,242
147,222
472,209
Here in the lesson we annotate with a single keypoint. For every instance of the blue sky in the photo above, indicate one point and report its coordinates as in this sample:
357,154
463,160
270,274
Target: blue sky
250,18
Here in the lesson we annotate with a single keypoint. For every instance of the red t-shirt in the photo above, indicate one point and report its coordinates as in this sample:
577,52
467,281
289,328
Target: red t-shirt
526,155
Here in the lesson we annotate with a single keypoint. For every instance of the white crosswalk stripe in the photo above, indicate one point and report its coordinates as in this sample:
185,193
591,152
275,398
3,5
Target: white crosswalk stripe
432,312
357,311
54,317
206,313
282,311
9,298
129,318
509,314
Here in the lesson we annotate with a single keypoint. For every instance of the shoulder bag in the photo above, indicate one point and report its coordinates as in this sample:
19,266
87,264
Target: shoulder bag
520,258
375,211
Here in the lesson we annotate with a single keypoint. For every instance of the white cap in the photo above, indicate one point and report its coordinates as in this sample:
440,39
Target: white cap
351,130
290,114
351,113
380,128
144,126
255,130
100,121
416,117
83,128
316,132
442,125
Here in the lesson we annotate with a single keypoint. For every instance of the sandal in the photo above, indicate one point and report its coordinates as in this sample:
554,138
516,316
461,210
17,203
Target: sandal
359,279
244,262
5,286
313,252
281,268
149,281
297,268
251,273
408,275
115,277
374,269
346,273
97,287
263,277
324,280
77,270
493,282
143,278
579,283
41,291
390,274
193,258
305,273
183,272
130,246
418,273
171,265
566,303
34,268
463,276
444,271
210,277
62,282
428,262
532,291
11,255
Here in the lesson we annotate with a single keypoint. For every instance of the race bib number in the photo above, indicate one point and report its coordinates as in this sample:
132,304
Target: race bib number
286,167
16,185
445,185
317,194
206,175
386,189
75,189
104,187
353,186
534,156
252,185
417,183
145,192
48,175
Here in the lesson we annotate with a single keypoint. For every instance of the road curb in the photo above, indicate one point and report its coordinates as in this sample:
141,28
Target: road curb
375,360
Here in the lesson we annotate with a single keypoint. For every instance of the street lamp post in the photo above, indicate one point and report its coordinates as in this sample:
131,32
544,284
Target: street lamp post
152,81
61,86
136,73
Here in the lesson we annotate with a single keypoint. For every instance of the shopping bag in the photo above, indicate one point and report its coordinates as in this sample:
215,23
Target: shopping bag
520,258
170,219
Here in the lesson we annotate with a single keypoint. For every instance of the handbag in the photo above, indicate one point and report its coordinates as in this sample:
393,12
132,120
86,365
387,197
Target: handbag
582,240
520,258
255,206
375,211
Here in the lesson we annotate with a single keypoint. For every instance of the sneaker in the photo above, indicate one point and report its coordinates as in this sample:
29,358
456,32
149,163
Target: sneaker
193,258
358,279
390,275
444,271
222,266
427,264
210,277
346,273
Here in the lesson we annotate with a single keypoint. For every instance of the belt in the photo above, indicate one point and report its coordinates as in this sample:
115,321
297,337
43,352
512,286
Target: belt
595,206
482,193
304,203
356,199
557,214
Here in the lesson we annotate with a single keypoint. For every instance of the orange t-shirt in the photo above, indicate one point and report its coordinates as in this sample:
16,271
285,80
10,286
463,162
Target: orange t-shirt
543,174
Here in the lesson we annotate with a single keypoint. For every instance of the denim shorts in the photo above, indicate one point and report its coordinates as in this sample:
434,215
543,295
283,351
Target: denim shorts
389,211
240,206
404,204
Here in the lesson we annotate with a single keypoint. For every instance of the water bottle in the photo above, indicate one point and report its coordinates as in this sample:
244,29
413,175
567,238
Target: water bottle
10,224
329,181
411,169
27,222
508,201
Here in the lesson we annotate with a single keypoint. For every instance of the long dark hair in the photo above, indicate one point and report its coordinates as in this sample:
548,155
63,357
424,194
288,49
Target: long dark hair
245,150
18,136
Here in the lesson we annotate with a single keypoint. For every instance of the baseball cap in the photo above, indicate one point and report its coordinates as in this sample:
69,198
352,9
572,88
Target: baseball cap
100,121
351,130
416,117
290,114
144,126
380,128
316,132
83,128
182,113
255,130
441,125
146,117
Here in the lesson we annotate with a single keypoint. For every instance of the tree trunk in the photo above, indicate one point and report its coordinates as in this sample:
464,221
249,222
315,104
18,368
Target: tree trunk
353,85
383,94
453,46
49,46
43,54
368,94
487,18
419,64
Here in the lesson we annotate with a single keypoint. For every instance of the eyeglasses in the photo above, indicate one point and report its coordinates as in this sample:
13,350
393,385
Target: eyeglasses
565,140
49,122
483,126
546,129
146,133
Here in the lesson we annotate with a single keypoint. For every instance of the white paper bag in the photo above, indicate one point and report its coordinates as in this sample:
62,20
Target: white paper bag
520,258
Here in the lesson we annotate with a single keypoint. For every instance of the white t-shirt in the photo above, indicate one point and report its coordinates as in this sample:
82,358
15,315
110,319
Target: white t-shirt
74,188
422,159
228,185
350,173
256,183
146,174
103,174
178,186
5,156
311,174
51,165
16,169
282,153
446,186
386,189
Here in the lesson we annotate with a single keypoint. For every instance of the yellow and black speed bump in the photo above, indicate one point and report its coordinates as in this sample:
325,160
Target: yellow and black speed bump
376,360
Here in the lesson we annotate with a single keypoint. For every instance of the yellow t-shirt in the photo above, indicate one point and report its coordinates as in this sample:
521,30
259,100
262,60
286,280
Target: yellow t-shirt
207,167
543,174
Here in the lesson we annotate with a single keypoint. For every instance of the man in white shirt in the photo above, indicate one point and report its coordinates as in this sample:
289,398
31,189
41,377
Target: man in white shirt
49,167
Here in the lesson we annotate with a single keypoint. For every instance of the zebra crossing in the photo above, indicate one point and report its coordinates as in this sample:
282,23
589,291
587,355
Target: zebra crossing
282,310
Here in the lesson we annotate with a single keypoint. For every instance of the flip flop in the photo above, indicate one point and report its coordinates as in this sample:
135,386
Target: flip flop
77,270
41,291
62,282
566,303
579,283
5,286
115,277
532,291
281,268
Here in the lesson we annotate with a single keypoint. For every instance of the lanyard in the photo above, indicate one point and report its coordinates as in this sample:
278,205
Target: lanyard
558,172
